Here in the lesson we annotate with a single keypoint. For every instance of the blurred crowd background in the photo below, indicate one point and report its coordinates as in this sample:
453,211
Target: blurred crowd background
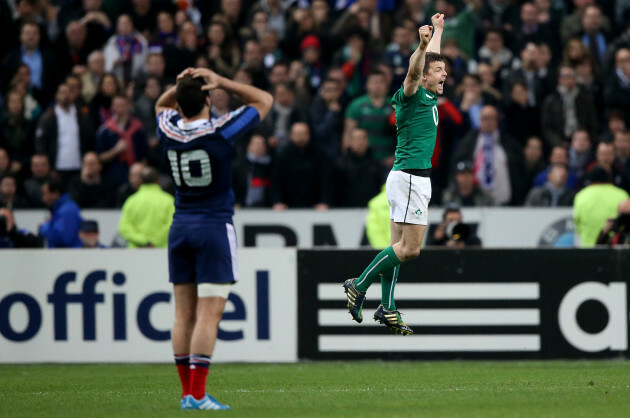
536,105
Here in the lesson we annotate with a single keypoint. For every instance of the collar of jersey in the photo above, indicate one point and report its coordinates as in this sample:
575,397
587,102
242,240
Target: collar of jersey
191,125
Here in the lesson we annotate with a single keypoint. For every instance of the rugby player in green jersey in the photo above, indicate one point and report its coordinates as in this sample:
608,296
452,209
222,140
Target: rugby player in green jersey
408,185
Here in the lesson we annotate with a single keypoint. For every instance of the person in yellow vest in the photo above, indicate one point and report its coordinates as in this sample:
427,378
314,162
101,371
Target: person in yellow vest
147,214
377,221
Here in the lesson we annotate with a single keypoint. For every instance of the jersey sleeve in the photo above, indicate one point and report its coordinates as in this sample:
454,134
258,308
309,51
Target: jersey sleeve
238,122
399,97
164,119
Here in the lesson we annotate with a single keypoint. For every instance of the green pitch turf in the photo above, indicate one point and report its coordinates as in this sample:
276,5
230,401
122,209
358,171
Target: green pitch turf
330,389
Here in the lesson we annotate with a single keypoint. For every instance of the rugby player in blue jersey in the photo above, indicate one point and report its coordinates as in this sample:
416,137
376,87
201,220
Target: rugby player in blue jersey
202,241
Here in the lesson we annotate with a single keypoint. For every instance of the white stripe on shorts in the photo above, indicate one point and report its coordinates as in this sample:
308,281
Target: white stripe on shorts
231,234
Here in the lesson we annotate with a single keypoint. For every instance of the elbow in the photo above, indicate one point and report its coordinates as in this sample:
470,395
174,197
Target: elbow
266,102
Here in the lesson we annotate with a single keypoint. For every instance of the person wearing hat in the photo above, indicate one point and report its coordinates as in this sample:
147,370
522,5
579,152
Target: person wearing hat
595,204
311,57
464,191
88,233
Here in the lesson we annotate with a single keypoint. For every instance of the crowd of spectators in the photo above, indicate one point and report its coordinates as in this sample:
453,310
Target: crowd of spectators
538,95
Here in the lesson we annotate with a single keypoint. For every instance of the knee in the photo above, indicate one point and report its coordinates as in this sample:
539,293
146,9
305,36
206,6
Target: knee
186,316
409,252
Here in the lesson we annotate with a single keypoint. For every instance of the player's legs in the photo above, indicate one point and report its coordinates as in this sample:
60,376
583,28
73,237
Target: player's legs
204,335
389,279
410,243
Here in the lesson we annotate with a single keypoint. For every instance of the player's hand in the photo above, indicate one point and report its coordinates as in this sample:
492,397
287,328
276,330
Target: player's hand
425,35
187,71
437,20
213,80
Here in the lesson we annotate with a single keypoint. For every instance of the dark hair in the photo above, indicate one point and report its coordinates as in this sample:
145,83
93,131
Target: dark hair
150,175
431,57
190,97
54,185
475,77
496,30
450,208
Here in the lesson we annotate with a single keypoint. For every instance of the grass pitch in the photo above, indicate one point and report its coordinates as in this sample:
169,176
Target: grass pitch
327,389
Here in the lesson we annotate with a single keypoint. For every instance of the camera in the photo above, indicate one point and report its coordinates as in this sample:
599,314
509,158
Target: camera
458,231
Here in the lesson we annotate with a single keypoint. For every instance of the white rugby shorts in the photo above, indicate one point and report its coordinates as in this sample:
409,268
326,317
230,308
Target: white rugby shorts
408,197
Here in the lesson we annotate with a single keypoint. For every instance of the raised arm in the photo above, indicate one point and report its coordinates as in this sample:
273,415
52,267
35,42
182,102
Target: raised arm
250,95
416,63
437,20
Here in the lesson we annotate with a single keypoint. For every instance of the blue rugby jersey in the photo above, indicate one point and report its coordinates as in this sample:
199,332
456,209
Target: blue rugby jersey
200,157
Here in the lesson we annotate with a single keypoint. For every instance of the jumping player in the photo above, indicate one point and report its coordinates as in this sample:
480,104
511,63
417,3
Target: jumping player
202,242
408,185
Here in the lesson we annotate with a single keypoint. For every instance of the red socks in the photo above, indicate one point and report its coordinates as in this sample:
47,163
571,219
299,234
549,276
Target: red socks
183,368
199,367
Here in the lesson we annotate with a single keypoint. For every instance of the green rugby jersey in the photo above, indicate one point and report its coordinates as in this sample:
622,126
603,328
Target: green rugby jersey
416,129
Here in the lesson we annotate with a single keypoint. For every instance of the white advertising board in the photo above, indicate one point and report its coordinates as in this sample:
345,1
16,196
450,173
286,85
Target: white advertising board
497,227
117,306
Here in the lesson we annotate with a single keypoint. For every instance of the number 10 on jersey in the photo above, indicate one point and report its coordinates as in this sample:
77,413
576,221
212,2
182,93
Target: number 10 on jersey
184,160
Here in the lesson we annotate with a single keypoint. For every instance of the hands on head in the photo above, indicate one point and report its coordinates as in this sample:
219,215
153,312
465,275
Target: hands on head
212,79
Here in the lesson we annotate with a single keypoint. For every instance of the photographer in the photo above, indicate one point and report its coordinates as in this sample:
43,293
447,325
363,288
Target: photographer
452,232
12,237
617,231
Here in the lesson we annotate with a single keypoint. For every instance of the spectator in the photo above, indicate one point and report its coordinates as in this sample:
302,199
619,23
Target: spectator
91,78
90,189
617,88
120,142
566,110
572,25
531,30
527,74
101,104
155,67
459,24
595,204
74,89
580,152
126,51
258,22
144,107
184,53
574,53
224,54
73,48
398,53
559,155
464,191
253,63
131,186
615,123
473,99
451,127
452,232
16,132
64,134
143,16
62,229
521,119
494,51
282,116
622,151
97,24
147,214
554,193
311,58
301,175
498,160
251,175
617,231
166,32
534,163
89,234
12,237
5,163
40,170
40,61
354,59
593,35
371,112
358,176
278,73
270,45
327,111
21,83
489,81
605,158
8,194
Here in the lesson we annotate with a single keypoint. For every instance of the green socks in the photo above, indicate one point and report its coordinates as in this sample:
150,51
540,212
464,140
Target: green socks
388,283
383,263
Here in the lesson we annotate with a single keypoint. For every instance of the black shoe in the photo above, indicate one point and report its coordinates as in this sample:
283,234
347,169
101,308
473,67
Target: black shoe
392,320
355,300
